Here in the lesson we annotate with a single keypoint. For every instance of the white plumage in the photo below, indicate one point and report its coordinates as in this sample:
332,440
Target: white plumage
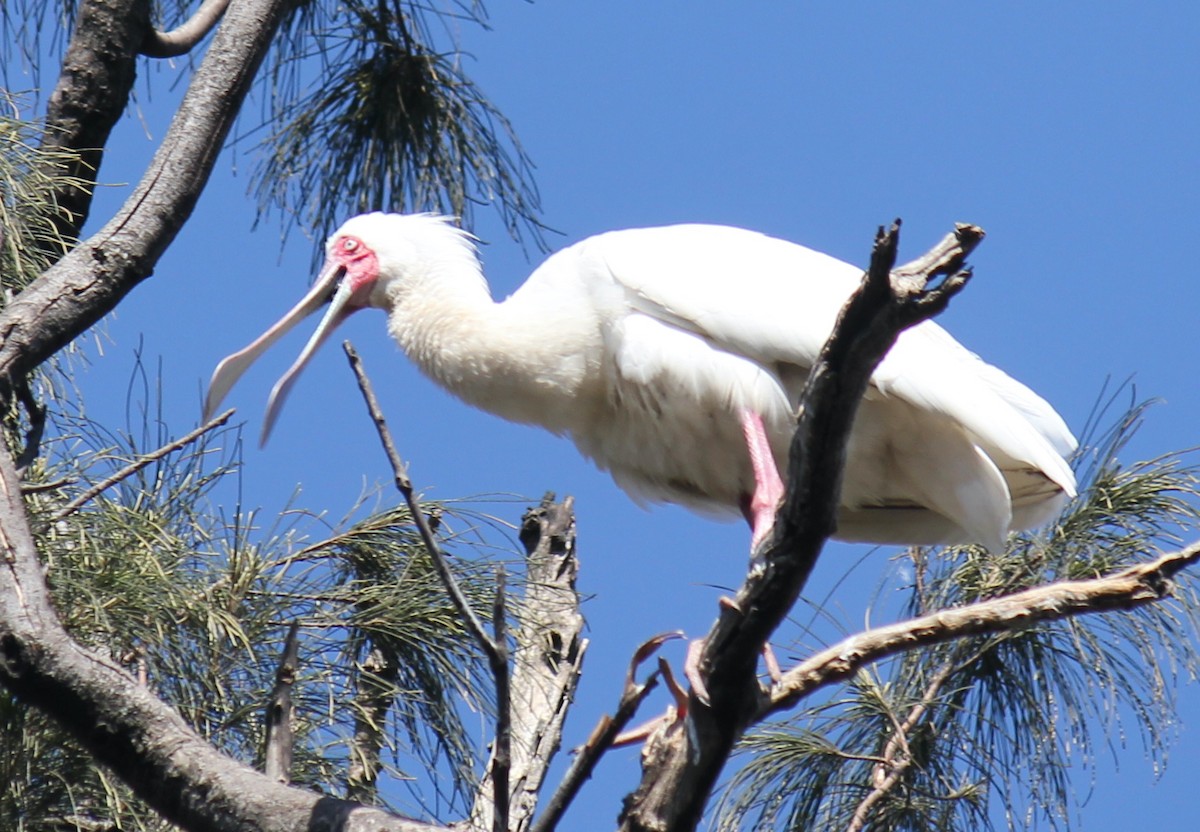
651,347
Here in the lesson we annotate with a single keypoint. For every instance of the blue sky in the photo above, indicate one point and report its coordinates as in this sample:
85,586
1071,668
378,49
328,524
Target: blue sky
1067,131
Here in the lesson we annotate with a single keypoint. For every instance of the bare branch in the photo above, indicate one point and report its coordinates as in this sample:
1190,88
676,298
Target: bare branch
501,767
1124,590
182,39
277,754
603,736
404,485
496,649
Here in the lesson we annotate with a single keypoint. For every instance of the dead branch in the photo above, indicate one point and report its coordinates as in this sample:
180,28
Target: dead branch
277,751
405,487
495,649
606,733
501,767
547,662
1124,590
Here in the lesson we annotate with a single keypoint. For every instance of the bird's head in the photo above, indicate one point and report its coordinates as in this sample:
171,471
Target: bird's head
361,258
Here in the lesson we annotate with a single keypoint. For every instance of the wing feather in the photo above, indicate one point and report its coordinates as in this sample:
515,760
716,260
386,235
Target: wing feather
702,303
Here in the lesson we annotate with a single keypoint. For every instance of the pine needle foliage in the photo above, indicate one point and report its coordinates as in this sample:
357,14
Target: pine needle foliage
30,176
367,113
197,608
996,731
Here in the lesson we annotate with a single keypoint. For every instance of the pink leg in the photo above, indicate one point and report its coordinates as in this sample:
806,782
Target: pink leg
768,487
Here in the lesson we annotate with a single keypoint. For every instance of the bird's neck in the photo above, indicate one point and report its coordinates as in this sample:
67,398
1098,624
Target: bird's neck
501,357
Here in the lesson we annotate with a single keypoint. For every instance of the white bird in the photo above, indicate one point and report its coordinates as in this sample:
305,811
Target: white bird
674,358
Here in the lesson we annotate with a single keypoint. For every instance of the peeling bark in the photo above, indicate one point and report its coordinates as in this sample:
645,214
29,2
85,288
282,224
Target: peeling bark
546,666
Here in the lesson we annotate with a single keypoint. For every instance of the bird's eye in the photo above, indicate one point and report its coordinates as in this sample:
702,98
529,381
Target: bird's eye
349,244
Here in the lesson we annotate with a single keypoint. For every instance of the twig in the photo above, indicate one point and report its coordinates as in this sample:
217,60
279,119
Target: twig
404,485
495,651
278,745
502,755
138,464
889,770
43,487
603,735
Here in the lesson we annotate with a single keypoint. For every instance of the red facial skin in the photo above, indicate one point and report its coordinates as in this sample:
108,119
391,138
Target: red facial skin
361,266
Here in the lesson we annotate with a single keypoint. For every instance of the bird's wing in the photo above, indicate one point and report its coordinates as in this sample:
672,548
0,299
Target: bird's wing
775,302
753,295
1014,425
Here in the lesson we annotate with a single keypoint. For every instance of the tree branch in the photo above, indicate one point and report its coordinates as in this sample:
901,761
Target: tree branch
125,727
92,279
495,649
183,39
137,465
897,758
605,734
501,765
1124,590
405,487
92,92
678,779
